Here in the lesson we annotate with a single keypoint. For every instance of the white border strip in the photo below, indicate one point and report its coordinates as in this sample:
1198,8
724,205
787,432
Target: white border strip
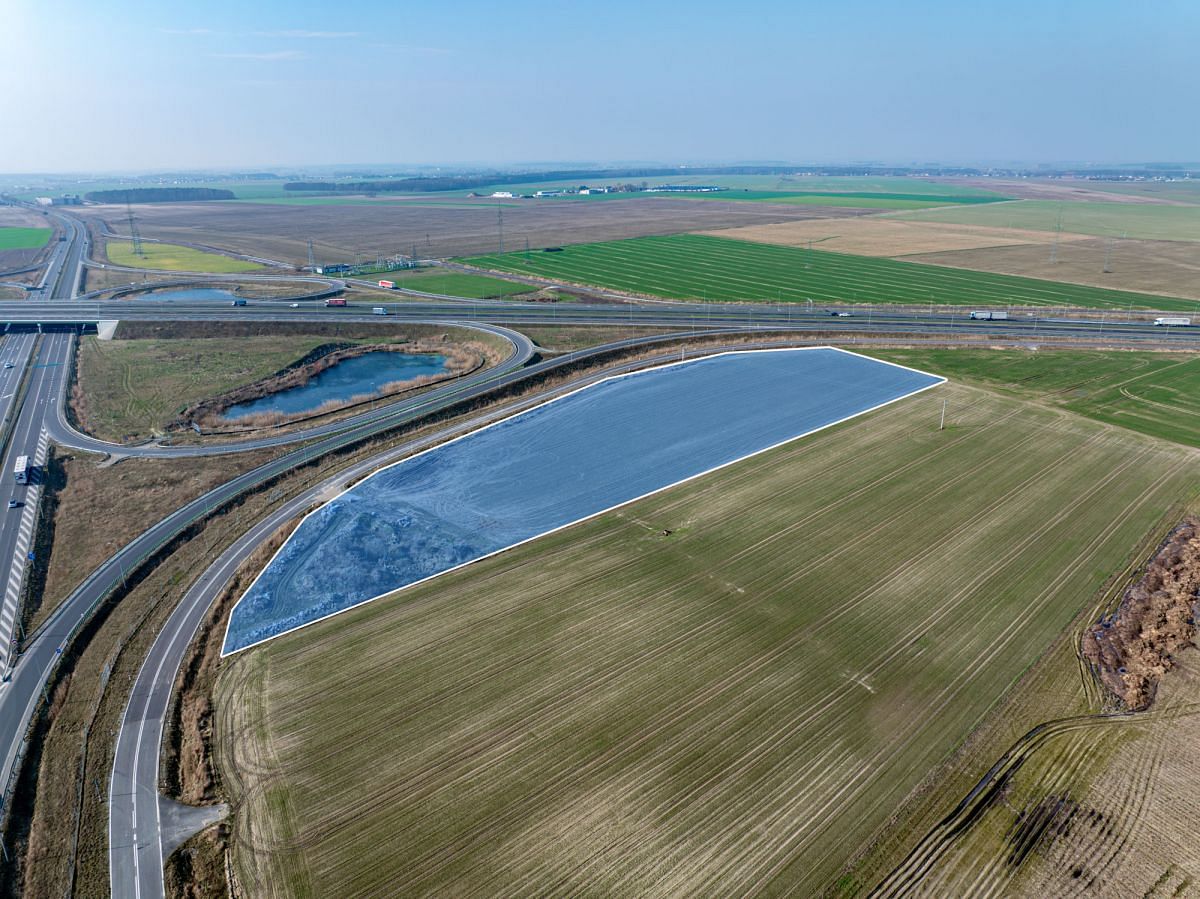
937,383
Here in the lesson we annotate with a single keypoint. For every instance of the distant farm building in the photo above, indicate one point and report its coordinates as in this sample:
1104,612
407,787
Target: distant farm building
334,269
684,189
503,195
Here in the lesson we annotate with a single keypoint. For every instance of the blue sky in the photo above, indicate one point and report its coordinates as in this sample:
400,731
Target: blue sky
132,85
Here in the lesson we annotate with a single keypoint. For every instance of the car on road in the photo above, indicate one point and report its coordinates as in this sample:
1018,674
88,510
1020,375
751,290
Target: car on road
8,365
14,504
841,314
294,305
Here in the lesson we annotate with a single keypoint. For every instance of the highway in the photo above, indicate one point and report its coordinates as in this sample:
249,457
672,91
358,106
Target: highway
1114,328
27,437
135,828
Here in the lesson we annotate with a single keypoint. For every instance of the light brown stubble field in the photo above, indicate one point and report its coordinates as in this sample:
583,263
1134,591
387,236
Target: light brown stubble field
725,688
281,232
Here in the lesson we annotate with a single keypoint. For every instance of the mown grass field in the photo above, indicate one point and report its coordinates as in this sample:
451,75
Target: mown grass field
24,238
1154,393
1148,221
455,284
723,689
694,266
176,258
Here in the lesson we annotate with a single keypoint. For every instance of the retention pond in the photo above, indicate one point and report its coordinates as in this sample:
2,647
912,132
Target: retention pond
557,464
363,375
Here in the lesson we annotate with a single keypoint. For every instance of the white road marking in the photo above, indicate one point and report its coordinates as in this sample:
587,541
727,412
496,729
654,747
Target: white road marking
16,572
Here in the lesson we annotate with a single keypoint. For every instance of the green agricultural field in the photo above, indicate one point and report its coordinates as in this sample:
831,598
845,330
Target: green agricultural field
1154,393
1139,220
176,258
1181,191
695,267
724,689
24,238
454,284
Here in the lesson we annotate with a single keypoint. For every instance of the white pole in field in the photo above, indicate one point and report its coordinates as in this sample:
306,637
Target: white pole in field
942,426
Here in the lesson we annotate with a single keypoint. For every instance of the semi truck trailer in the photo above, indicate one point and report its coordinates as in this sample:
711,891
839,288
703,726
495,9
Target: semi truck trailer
990,316
1167,320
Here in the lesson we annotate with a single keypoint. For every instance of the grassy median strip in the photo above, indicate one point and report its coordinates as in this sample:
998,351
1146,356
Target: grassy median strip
725,688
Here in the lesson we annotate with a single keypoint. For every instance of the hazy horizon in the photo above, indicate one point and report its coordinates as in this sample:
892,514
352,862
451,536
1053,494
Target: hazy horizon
302,85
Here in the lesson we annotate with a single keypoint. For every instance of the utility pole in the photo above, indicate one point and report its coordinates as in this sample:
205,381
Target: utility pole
1057,234
942,426
500,225
1108,256
133,233
312,261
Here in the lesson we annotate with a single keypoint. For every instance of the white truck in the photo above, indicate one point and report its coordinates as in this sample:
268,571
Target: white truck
1164,321
990,316
21,470
379,310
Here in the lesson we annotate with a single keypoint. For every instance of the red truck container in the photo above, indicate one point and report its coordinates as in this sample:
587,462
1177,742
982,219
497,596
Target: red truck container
335,302
390,285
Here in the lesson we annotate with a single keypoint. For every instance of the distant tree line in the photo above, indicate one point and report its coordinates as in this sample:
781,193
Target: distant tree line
159,195
468,182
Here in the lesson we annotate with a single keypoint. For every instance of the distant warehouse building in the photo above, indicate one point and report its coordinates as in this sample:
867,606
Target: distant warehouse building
334,269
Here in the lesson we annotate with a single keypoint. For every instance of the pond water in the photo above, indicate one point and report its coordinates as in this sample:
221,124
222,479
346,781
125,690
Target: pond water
551,466
356,376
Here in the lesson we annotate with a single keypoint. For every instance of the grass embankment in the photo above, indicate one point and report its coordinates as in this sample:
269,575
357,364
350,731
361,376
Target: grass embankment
176,258
568,338
99,510
695,266
725,688
24,238
1154,393
453,284
132,388
1141,220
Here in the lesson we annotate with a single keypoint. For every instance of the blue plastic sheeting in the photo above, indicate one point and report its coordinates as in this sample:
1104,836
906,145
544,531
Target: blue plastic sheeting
554,465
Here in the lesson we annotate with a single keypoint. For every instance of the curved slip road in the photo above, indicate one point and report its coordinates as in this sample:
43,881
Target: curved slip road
62,432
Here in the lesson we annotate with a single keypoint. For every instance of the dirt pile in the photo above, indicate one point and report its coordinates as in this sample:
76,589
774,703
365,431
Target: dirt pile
1132,649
